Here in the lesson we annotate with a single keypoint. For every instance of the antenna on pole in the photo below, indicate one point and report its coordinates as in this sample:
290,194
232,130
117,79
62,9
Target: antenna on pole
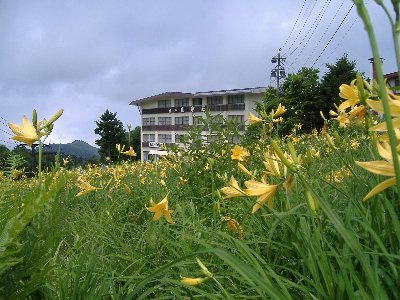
278,71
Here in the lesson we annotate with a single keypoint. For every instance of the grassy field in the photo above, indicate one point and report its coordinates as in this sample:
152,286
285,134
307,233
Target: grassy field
313,237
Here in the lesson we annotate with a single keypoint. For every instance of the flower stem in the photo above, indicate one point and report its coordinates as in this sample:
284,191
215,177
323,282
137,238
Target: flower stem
40,157
362,11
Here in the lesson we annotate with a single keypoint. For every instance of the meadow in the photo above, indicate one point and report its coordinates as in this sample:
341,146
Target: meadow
273,218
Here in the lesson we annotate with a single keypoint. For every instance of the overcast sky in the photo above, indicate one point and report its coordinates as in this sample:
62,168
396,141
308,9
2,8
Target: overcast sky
89,56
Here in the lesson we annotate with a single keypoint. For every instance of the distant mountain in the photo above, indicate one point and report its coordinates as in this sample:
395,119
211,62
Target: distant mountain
77,148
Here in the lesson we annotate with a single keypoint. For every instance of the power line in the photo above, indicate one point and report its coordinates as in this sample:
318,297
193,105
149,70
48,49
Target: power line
324,33
313,27
302,27
330,40
295,23
5,132
3,121
8,142
340,42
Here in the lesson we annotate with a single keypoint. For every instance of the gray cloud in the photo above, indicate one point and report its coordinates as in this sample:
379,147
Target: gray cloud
89,56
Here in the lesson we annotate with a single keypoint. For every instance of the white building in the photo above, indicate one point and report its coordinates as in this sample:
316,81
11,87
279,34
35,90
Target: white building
166,117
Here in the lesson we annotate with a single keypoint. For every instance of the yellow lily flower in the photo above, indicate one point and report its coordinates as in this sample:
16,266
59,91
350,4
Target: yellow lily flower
239,153
350,93
160,209
380,167
279,111
84,187
343,120
130,152
253,119
394,106
25,133
233,190
244,169
272,166
193,281
262,190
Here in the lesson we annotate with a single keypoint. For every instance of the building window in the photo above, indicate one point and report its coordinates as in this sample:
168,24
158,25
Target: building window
164,120
234,139
179,137
197,120
165,138
164,103
235,99
182,102
214,100
145,155
149,121
237,119
212,138
197,101
182,120
149,137
218,119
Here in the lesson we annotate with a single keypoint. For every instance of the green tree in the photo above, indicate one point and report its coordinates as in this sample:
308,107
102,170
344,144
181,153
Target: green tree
111,132
134,139
343,71
4,153
302,99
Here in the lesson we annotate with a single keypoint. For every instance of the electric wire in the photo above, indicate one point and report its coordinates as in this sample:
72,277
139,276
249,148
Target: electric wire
324,33
330,40
294,26
339,43
301,29
312,29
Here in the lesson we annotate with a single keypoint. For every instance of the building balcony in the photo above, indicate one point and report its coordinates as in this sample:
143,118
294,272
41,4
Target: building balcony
153,128
157,145
183,109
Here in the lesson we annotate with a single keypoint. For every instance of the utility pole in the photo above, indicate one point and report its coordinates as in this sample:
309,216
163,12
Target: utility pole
278,71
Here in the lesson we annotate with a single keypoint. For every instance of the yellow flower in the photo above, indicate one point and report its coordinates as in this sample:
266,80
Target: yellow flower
279,111
333,113
253,119
26,133
350,93
262,190
239,153
84,187
233,190
358,111
126,188
160,209
272,166
244,169
130,152
193,281
394,106
343,120
381,167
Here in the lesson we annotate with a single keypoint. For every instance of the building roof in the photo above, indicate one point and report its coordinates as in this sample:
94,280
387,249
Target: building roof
177,95
255,90
391,75
161,96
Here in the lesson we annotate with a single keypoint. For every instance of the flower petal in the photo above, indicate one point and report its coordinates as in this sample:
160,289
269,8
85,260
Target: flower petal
377,167
380,187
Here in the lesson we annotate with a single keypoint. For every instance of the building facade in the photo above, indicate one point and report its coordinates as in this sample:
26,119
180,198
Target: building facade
393,80
166,117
